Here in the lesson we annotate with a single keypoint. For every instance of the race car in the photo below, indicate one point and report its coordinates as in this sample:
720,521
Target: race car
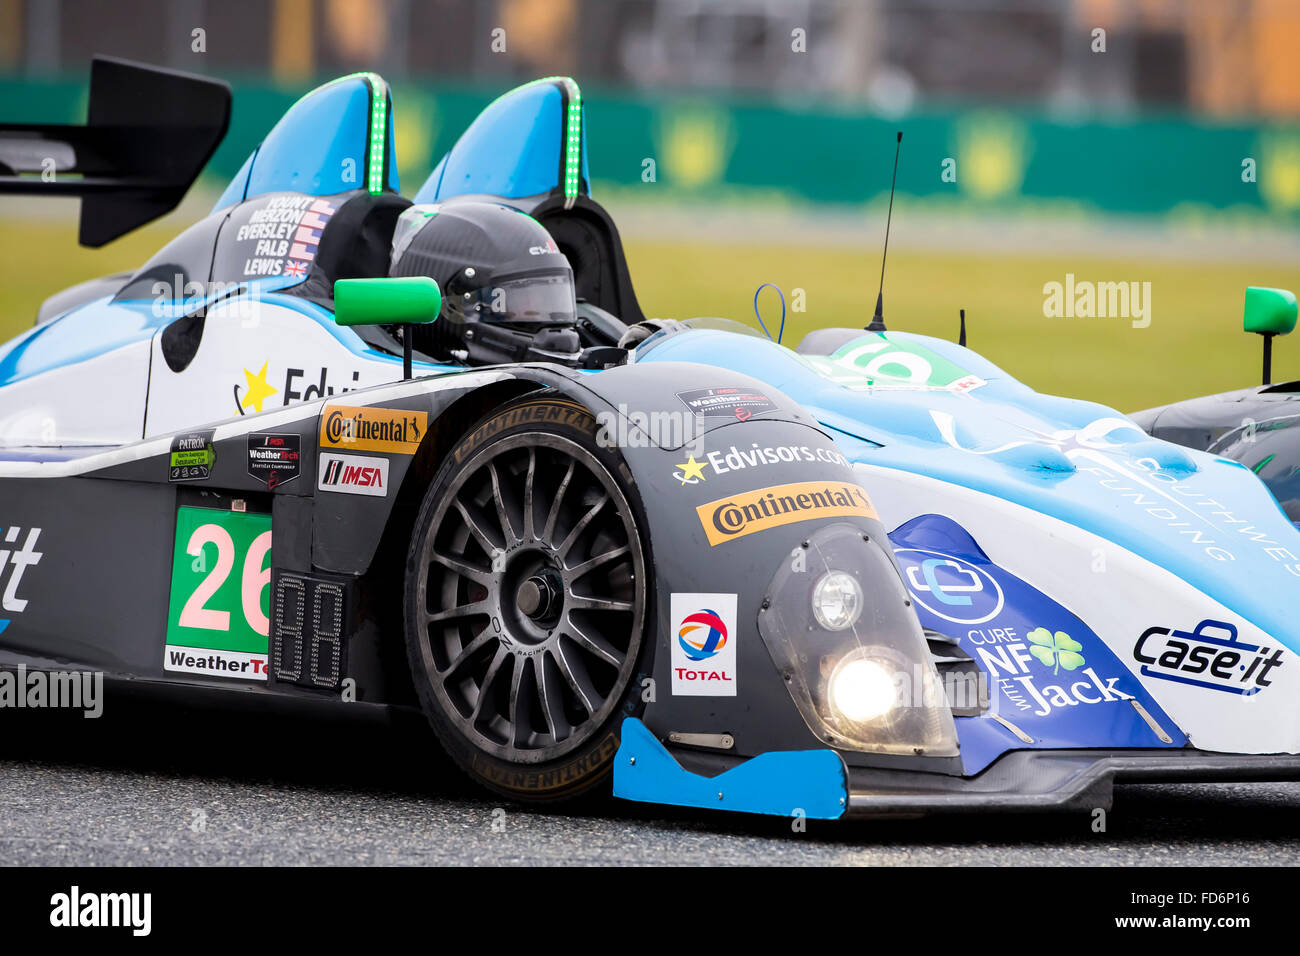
334,444
1260,426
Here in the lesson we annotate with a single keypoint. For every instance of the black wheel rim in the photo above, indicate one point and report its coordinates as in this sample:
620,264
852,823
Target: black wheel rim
531,597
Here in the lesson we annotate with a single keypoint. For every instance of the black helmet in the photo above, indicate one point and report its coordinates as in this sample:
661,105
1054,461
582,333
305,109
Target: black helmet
498,268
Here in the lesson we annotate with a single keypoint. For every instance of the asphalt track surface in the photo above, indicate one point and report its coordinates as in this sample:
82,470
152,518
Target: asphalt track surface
156,783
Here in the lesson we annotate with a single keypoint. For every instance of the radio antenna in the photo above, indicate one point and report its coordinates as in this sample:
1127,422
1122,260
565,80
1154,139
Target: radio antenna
961,336
878,320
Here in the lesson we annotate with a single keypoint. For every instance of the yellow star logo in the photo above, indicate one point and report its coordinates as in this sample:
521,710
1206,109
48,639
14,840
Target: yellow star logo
259,389
690,472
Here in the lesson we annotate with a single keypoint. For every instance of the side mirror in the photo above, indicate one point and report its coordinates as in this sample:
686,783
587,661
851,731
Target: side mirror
402,300
1269,312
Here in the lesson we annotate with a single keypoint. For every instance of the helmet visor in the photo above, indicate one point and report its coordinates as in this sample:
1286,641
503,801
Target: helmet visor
538,299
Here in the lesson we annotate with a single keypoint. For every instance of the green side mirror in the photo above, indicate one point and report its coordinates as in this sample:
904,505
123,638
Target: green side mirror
403,300
1269,311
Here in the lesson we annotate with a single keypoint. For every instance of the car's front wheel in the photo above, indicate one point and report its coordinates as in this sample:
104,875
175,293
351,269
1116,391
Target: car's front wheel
526,595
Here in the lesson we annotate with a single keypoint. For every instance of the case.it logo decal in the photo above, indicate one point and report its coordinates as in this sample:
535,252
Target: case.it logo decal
730,518
1209,656
353,474
218,614
15,559
372,429
950,587
704,644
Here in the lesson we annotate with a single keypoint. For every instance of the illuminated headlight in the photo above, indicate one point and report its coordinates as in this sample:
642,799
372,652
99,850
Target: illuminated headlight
841,630
837,600
861,690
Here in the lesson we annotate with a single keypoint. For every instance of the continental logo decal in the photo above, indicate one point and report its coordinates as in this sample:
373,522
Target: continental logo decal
730,518
372,429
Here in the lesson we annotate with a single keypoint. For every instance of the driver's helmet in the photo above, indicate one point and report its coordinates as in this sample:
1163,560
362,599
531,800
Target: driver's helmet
493,264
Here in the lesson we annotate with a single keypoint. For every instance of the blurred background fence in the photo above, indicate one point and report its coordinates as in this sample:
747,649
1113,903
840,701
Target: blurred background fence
1139,139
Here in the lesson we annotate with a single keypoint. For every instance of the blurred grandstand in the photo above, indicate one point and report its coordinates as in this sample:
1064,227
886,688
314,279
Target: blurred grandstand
1160,137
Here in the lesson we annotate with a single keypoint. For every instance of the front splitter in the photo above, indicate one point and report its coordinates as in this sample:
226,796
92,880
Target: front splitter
1052,780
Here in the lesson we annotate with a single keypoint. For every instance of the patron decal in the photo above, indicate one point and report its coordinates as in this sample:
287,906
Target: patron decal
192,457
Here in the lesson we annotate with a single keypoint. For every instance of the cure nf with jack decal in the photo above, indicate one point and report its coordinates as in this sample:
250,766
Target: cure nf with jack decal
218,616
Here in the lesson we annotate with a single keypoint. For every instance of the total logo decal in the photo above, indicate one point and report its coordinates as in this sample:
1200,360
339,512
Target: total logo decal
353,474
692,472
1210,656
15,559
703,644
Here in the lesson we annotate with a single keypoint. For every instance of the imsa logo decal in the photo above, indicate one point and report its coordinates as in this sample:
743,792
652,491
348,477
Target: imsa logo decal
353,475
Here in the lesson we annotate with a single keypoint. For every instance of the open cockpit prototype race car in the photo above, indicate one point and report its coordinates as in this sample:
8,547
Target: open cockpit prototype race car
330,443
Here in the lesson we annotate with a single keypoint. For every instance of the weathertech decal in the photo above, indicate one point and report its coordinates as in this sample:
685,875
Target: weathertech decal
353,474
273,459
729,518
372,429
738,403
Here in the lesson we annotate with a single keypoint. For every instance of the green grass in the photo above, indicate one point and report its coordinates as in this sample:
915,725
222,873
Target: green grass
1194,344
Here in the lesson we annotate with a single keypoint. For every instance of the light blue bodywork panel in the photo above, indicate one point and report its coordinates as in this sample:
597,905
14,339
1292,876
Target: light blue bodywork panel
321,146
513,149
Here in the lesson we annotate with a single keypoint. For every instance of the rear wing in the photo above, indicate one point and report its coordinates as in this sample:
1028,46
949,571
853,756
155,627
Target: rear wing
149,131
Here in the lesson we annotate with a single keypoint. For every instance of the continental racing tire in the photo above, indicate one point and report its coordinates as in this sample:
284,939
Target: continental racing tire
526,601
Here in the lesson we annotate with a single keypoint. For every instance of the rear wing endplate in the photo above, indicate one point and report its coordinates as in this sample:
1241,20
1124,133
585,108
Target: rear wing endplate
149,132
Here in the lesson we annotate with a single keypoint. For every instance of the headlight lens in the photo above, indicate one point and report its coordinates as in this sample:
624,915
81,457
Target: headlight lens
860,690
837,600
839,625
